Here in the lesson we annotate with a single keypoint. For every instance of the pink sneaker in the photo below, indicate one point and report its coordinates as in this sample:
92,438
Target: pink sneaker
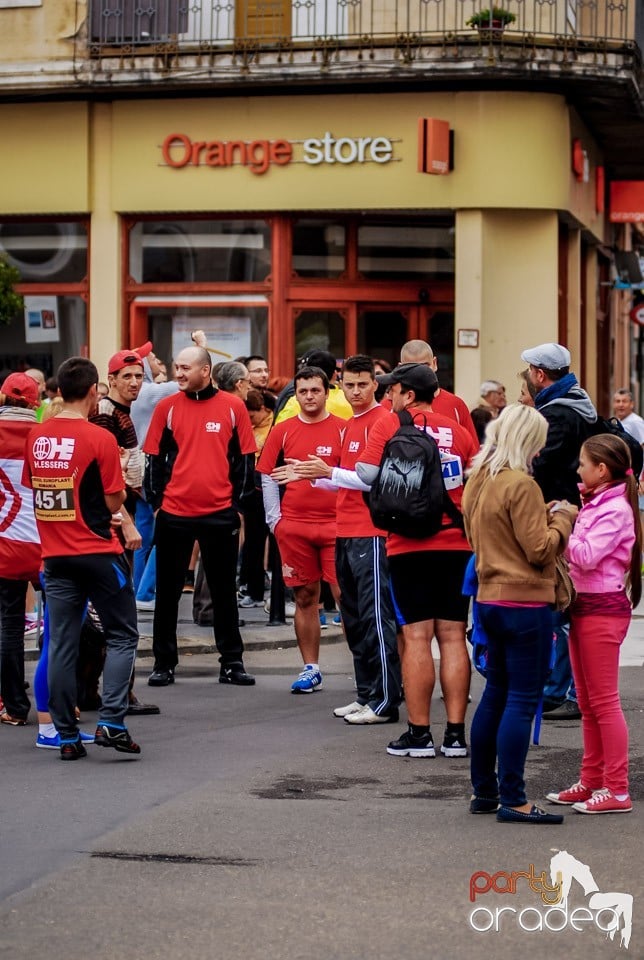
575,794
603,801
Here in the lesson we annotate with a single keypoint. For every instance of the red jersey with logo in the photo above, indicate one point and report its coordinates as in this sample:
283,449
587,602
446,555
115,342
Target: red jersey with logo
449,405
354,519
456,448
206,433
71,464
19,540
296,439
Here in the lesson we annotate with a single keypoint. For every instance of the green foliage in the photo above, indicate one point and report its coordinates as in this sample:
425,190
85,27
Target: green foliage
11,303
483,18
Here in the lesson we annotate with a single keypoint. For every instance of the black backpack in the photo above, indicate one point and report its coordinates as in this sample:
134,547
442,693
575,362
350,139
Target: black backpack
408,497
614,426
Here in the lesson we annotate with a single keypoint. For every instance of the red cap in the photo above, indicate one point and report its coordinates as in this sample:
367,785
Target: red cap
124,358
19,386
145,349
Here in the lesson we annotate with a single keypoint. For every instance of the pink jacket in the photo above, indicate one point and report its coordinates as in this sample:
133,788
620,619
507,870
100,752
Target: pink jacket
600,546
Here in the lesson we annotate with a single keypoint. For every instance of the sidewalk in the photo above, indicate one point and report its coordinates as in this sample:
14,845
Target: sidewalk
258,635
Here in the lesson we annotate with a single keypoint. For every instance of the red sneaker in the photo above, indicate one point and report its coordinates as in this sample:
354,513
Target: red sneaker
575,794
603,801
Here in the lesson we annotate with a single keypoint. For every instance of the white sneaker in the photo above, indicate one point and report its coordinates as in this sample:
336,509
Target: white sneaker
367,715
350,708
145,604
246,602
289,608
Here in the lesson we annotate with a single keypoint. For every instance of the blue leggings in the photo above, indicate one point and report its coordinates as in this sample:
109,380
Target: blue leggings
41,687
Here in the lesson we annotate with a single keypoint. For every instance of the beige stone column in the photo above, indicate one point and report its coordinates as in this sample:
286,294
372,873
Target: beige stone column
506,287
105,273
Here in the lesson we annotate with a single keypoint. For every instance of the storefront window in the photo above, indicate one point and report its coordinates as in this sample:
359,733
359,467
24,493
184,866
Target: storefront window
441,337
318,248
51,330
231,330
422,251
46,252
319,330
200,251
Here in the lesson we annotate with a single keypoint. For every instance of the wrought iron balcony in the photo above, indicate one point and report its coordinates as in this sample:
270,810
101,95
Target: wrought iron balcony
251,34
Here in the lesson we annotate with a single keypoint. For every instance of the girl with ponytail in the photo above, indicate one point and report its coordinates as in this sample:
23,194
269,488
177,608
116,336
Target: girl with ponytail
605,557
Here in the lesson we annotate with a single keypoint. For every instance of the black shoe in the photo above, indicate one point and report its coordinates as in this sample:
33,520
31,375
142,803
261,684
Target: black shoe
138,709
117,737
160,678
453,745
483,805
72,749
235,673
410,746
536,815
569,710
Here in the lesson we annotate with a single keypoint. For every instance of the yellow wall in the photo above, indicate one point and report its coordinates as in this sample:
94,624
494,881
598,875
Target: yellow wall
44,151
508,153
40,34
506,287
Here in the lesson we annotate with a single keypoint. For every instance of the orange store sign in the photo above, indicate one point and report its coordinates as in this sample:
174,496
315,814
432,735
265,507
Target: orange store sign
627,201
180,151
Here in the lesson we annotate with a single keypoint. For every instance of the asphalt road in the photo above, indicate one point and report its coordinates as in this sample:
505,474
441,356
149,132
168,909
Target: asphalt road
255,825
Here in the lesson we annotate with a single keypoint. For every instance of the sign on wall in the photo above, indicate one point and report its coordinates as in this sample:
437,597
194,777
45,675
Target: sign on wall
227,337
41,320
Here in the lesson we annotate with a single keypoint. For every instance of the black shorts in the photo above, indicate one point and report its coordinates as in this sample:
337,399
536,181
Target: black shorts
428,585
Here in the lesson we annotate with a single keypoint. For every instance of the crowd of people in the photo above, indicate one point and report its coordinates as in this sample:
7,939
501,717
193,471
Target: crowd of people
112,494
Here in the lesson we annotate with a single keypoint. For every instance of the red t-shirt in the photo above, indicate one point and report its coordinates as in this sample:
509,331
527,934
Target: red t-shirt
449,405
457,449
296,438
205,432
71,464
354,519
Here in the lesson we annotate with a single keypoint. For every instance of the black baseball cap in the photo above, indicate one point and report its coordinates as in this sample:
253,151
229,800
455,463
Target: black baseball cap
414,376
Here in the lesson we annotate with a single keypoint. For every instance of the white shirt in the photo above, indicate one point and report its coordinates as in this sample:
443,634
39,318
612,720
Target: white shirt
634,425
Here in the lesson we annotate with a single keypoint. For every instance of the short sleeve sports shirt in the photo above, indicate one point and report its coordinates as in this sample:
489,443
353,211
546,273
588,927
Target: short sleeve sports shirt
71,464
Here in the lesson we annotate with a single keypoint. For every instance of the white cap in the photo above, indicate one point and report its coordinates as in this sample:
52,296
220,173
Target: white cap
547,356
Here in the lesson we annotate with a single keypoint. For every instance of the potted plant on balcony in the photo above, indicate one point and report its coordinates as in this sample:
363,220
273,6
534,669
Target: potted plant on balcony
495,19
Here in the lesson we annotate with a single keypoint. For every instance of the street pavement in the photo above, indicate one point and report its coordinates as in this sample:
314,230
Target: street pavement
257,825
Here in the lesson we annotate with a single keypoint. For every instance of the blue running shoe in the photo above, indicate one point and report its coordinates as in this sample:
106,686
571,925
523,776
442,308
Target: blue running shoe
323,623
308,680
53,743
337,619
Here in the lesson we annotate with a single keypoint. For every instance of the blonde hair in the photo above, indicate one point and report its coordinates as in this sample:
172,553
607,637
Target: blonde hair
512,441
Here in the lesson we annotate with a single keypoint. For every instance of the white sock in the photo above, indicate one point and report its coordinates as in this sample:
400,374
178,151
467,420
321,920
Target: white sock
621,796
312,666
47,729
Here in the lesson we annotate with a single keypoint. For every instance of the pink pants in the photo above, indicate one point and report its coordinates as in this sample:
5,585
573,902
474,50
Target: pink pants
594,647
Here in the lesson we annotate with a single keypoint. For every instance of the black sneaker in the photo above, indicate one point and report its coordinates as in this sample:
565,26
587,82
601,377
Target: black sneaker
160,678
72,749
235,673
117,737
410,746
483,805
453,745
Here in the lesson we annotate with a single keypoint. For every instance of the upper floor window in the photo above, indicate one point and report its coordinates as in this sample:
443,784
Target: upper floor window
46,251
200,251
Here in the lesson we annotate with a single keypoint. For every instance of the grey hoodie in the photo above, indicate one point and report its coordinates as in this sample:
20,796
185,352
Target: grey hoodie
151,393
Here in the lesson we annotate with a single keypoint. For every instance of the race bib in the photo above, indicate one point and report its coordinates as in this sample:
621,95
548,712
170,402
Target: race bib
54,498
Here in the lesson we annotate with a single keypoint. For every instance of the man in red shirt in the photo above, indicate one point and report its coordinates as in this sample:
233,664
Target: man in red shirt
427,574
75,471
360,559
304,520
199,473
444,402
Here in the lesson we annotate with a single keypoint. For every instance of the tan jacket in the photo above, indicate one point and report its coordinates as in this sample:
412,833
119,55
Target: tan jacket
514,537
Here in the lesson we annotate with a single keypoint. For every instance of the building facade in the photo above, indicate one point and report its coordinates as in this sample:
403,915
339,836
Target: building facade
294,175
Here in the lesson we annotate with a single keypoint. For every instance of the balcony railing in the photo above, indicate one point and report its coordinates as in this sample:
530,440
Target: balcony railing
266,36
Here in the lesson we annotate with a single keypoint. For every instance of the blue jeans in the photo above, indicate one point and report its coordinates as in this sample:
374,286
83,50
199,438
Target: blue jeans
560,685
144,519
519,646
